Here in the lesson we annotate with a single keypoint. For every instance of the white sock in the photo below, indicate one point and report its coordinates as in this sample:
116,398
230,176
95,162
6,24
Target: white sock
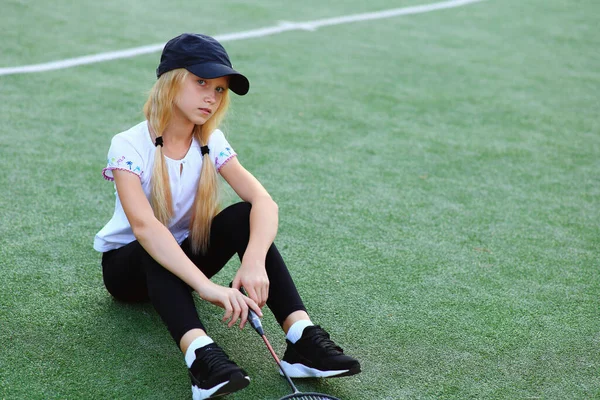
295,332
190,354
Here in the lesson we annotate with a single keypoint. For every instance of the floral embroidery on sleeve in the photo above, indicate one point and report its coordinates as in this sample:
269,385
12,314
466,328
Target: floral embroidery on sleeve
121,163
220,148
223,157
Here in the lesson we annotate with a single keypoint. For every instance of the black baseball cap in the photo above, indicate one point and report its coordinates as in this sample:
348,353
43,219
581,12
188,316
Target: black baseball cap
203,56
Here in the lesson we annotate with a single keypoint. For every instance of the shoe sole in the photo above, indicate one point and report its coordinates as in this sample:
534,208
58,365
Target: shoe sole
236,382
302,371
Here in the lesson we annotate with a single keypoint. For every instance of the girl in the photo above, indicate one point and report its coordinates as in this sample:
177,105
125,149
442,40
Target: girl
166,237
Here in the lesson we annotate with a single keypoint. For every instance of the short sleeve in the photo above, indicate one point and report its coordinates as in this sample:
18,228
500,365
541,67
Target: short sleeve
220,149
122,155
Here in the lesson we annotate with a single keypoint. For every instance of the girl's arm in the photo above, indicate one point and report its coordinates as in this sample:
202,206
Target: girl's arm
263,228
158,241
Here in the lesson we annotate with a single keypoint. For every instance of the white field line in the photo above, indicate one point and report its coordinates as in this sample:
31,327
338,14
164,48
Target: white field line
283,26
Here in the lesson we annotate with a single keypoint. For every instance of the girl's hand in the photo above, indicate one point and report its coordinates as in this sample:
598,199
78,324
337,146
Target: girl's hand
252,276
232,300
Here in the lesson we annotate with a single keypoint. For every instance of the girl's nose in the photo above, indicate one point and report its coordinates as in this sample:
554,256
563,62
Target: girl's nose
210,98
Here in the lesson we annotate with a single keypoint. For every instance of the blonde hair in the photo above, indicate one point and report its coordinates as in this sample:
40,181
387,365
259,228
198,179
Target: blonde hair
159,110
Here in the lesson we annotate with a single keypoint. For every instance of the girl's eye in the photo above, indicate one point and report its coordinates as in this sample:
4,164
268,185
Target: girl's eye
202,82
220,89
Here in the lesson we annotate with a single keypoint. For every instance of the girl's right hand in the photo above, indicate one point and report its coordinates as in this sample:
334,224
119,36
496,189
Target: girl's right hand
232,300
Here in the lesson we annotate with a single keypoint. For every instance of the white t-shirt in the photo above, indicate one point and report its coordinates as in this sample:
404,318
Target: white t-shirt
133,150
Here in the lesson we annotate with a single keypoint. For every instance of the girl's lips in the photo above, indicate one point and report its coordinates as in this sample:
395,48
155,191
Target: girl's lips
206,111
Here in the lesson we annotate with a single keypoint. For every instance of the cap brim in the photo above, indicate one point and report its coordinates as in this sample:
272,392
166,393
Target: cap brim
238,83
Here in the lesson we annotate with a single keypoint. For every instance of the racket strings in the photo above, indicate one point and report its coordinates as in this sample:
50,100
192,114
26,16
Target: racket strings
309,396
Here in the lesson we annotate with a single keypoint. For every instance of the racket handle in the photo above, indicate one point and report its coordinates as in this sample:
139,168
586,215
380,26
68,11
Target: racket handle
253,318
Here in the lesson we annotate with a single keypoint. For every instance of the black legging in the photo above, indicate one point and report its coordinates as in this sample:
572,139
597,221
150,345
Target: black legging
131,274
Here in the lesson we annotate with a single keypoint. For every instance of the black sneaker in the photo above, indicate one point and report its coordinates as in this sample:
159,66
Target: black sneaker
213,374
315,355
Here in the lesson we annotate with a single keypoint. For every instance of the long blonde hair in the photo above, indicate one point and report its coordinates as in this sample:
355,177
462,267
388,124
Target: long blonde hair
159,110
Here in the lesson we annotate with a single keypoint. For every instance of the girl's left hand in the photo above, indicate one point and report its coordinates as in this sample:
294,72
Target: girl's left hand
252,276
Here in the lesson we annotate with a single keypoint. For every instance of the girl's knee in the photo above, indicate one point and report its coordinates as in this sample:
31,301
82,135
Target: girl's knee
236,215
241,209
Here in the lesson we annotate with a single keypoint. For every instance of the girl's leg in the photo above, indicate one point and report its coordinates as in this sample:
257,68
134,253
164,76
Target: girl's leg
125,280
131,274
310,351
230,233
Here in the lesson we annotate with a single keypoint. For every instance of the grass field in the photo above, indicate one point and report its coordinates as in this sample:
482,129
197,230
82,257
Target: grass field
438,178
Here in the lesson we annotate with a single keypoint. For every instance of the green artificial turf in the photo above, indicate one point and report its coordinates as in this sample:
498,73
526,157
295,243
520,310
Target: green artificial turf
437,177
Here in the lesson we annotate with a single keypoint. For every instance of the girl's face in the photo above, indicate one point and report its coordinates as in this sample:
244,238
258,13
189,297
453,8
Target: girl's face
200,98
